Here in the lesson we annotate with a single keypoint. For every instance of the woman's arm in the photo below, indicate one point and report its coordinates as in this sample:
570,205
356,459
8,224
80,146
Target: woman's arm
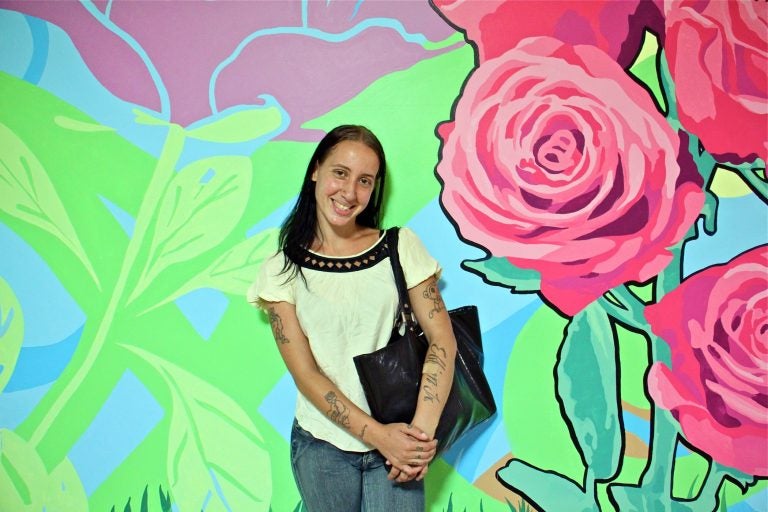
403,445
437,373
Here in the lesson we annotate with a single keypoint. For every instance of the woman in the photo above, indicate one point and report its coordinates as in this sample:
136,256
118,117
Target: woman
330,295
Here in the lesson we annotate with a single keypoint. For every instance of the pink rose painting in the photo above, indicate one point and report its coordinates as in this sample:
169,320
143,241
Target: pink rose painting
559,162
717,383
584,177
718,59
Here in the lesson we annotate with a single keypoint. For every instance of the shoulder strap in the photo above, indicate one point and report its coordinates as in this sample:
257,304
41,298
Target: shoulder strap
406,312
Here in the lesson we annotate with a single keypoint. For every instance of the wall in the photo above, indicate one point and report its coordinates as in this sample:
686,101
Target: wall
599,193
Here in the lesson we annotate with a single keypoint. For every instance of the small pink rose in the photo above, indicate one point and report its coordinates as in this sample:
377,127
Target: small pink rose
559,162
716,325
718,59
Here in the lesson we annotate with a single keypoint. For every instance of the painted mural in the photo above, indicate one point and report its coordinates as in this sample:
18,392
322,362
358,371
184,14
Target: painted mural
590,173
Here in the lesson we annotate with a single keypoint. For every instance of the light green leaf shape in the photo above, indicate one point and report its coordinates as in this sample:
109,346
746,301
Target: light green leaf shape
499,271
28,195
587,383
77,125
11,332
235,270
240,126
213,447
148,119
26,486
547,490
200,207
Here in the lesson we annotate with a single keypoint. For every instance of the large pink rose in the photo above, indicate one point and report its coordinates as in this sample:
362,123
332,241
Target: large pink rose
496,26
718,59
716,325
559,162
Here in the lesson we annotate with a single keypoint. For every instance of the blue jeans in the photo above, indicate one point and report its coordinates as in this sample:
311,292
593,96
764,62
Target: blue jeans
332,480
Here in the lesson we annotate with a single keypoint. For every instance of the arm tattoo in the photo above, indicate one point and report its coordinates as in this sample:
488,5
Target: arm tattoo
362,432
432,293
436,356
277,327
337,412
436,361
430,387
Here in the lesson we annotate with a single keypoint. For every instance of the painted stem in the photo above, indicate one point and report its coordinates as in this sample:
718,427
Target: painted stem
161,177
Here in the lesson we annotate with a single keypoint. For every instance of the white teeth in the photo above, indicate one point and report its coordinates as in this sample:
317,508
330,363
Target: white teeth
341,206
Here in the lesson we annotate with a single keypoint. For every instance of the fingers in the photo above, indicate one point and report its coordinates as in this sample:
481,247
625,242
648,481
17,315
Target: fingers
416,432
405,473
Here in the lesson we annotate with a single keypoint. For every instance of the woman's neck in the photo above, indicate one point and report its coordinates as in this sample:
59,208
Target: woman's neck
331,242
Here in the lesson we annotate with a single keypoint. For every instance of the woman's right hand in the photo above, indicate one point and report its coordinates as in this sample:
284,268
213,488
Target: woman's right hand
407,448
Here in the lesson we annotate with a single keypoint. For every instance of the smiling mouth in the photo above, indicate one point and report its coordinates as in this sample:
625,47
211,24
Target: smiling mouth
342,209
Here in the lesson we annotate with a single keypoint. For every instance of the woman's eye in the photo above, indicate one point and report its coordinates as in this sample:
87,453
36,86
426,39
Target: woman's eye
339,173
366,181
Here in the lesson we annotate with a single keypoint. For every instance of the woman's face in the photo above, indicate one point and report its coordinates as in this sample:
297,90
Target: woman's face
344,183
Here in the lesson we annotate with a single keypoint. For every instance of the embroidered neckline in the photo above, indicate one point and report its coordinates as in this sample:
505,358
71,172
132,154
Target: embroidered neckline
311,260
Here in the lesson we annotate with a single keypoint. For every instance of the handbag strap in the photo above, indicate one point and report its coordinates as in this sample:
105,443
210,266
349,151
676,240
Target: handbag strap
405,310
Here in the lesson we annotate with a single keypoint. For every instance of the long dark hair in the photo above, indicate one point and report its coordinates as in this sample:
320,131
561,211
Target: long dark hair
300,227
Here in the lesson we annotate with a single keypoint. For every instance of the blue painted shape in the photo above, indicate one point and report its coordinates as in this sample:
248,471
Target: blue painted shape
17,405
637,425
125,219
39,30
16,43
50,314
37,366
279,406
126,418
758,502
742,223
204,309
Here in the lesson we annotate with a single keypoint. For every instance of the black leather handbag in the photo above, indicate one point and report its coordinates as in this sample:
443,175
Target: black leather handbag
391,376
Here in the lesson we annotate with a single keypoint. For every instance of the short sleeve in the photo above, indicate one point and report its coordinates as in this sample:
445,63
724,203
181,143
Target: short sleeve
272,284
416,261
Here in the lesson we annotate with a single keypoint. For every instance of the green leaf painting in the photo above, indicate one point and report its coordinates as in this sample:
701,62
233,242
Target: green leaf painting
213,447
587,378
29,195
200,206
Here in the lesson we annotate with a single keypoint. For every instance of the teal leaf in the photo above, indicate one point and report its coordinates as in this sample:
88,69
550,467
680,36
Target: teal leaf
587,384
200,207
11,332
29,195
500,272
235,270
240,126
25,484
546,490
214,449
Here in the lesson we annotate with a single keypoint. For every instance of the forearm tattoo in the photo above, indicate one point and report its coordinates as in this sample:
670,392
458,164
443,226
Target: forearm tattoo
362,431
432,294
337,411
277,327
434,365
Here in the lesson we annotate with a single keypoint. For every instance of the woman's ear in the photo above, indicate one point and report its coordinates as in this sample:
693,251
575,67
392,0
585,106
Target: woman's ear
314,173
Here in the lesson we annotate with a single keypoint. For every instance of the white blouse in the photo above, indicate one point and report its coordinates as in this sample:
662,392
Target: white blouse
346,307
